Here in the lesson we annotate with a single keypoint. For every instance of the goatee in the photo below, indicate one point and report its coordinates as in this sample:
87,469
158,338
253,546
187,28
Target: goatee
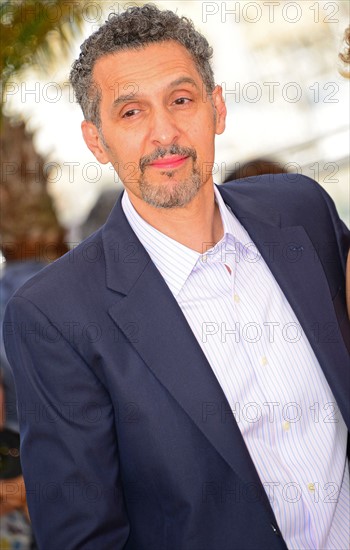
171,194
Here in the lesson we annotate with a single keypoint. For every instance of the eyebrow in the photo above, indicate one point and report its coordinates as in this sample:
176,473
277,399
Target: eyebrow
133,96
183,80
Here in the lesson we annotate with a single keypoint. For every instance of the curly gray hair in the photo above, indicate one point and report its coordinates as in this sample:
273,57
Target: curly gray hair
134,28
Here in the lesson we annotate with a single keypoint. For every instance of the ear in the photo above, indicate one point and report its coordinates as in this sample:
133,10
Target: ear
220,108
92,139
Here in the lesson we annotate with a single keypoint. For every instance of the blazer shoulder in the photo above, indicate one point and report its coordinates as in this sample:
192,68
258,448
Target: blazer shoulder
67,275
299,201
277,184
295,196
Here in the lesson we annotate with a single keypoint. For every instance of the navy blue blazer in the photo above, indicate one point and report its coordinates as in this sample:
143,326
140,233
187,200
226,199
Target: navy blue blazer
127,438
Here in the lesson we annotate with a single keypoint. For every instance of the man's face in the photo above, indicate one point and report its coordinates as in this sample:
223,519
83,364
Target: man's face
157,123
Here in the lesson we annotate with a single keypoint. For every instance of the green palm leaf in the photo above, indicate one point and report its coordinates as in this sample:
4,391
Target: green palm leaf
34,32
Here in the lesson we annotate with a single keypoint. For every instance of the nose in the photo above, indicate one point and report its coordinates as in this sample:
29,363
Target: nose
164,130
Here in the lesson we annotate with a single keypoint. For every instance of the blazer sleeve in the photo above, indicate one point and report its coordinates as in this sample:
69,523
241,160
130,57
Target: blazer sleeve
69,449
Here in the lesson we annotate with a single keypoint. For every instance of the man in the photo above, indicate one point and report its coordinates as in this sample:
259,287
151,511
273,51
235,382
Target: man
182,375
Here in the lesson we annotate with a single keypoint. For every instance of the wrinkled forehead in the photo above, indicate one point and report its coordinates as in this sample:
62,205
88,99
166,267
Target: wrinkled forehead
146,69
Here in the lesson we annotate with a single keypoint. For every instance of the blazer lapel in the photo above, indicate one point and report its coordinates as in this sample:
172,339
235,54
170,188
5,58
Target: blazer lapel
293,260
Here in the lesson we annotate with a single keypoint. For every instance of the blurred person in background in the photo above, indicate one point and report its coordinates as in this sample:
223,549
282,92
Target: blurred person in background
255,167
99,213
133,344
30,238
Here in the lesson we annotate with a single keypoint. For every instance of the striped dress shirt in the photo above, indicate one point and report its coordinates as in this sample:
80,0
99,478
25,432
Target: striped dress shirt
269,374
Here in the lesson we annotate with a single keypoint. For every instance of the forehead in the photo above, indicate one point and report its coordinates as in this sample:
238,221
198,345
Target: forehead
144,69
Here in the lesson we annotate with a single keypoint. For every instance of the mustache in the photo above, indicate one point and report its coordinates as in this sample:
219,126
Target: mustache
161,152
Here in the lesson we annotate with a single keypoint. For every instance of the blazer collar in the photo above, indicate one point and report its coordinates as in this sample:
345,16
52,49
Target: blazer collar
126,258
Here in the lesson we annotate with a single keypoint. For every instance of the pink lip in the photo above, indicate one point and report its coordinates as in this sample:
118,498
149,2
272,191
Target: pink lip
170,162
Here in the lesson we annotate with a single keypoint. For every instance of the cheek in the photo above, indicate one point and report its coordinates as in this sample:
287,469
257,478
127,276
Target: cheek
128,160
206,152
203,137
130,174
123,149
203,129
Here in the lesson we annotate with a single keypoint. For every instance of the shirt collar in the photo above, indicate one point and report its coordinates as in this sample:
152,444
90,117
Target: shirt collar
235,236
176,261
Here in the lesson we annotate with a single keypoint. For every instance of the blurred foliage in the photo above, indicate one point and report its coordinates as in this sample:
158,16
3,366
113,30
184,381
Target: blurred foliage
345,55
33,33
28,222
29,28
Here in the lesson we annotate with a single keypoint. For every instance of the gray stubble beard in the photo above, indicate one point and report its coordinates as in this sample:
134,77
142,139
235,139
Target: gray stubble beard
160,196
170,196
180,194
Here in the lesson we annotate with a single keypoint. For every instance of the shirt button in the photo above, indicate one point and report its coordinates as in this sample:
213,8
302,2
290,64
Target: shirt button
263,361
286,426
236,298
204,258
275,530
311,487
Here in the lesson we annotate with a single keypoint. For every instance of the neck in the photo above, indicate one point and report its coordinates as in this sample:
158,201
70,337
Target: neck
197,225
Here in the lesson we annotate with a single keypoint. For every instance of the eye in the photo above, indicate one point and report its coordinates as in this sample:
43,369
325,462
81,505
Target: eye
182,101
130,113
